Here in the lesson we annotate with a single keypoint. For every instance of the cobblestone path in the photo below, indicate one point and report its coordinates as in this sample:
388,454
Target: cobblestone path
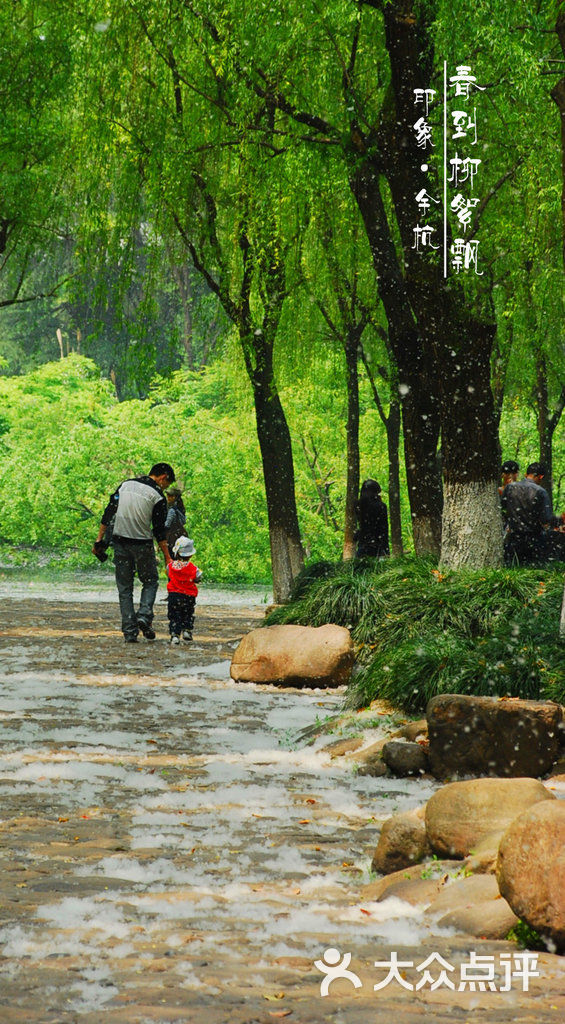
170,853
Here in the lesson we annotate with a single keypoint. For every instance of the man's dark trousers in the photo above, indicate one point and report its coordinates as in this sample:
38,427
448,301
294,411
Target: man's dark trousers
129,558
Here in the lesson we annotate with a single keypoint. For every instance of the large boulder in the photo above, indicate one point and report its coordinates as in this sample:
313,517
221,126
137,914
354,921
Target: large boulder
460,814
294,656
531,869
492,736
402,842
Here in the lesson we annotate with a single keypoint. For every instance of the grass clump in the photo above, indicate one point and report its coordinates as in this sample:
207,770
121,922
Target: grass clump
419,631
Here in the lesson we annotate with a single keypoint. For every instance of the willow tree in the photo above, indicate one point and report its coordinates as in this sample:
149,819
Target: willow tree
341,283
35,74
339,86
165,110
227,110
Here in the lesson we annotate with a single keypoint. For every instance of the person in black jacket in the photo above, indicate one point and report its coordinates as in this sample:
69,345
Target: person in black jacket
138,509
525,504
372,522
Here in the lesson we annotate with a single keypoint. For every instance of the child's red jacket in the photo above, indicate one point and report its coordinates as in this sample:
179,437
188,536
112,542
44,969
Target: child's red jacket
181,578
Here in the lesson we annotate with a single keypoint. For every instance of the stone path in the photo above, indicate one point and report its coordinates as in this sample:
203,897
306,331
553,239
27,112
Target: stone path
170,853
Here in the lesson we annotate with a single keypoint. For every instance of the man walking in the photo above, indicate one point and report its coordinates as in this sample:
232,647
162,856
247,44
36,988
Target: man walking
139,510
525,504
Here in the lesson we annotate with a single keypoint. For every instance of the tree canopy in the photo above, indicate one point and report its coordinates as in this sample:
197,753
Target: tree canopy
184,176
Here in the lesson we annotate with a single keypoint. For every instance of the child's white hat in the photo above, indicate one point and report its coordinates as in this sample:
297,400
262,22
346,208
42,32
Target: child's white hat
184,547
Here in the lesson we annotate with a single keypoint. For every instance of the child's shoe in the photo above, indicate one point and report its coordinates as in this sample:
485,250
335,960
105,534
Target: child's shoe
187,635
175,638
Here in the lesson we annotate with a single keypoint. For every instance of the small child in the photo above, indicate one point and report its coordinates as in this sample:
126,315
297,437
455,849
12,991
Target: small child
182,590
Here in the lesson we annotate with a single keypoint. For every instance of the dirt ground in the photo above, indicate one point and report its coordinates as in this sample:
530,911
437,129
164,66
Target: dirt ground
170,852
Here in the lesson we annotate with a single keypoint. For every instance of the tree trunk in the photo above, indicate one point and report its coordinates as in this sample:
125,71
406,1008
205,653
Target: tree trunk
287,557
393,445
453,357
471,530
418,383
352,485
420,419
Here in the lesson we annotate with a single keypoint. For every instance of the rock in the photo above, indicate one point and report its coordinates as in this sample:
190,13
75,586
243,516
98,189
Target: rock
415,891
374,767
490,736
483,856
294,656
491,919
402,842
340,747
559,767
405,758
370,761
412,730
463,893
372,751
460,814
531,869
436,871
474,906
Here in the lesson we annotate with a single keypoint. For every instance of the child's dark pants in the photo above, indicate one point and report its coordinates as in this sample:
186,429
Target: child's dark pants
181,613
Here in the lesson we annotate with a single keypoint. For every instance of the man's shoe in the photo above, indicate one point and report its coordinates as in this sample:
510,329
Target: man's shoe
146,629
175,639
187,635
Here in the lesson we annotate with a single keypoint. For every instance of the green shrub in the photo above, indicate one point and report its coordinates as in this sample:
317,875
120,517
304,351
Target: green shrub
419,632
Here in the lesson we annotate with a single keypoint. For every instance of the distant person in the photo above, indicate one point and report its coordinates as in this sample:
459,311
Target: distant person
525,503
138,509
176,517
182,590
509,473
372,522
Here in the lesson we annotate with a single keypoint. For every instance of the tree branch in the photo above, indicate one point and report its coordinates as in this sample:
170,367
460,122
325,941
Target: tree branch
490,195
14,301
374,388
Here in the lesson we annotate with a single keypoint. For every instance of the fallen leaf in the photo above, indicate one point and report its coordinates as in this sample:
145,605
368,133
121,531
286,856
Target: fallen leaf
279,1013
304,821
83,816
271,996
309,800
62,819
363,911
